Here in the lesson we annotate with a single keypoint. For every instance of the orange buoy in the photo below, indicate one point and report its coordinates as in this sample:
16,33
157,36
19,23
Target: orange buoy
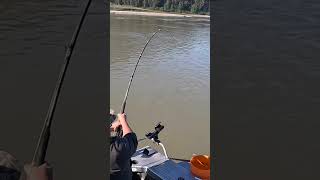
200,166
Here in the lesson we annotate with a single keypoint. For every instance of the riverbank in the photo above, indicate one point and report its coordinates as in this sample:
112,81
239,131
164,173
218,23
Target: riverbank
163,14
128,10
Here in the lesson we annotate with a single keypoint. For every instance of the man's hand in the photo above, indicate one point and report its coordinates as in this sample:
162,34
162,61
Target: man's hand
43,172
125,126
115,125
122,117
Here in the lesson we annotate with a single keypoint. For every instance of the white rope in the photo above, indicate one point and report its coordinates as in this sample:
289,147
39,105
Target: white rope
164,150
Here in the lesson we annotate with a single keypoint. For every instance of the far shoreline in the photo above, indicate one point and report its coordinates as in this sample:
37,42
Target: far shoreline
161,14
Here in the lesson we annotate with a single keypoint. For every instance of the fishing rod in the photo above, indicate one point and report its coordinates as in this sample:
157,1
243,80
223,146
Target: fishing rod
123,107
42,146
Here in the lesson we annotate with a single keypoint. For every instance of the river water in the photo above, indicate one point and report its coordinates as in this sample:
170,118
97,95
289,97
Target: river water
171,84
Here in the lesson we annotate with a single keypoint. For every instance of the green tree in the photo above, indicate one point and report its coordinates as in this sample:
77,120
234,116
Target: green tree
156,3
167,5
139,3
194,6
180,6
145,3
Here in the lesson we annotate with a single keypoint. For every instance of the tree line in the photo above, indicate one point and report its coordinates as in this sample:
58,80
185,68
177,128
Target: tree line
193,6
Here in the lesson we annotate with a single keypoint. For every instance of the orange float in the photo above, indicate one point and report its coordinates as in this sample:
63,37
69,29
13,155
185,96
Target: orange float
200,166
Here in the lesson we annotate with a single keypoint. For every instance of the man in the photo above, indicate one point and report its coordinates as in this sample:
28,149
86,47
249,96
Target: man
12,169
121,149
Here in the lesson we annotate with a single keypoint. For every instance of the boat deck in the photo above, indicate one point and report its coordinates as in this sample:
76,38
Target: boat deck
157,166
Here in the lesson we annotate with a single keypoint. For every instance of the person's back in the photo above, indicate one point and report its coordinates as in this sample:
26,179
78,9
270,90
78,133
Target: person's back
121,150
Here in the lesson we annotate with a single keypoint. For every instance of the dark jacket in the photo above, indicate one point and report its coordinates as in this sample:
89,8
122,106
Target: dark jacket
121,150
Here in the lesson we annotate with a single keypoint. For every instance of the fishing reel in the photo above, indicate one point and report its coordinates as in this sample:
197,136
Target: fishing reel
154,135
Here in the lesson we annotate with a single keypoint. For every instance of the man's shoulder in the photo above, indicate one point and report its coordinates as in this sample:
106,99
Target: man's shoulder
126,144
130,135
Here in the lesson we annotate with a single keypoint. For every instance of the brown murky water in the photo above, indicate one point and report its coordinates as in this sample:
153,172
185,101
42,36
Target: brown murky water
171,84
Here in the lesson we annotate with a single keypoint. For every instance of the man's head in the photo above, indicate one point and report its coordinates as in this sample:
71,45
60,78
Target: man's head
113,123
113,117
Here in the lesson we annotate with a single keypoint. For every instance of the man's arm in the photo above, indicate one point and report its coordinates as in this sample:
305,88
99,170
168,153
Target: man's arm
125,126
128,143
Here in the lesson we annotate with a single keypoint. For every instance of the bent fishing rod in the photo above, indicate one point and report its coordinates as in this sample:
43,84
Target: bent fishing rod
123,107
42,146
